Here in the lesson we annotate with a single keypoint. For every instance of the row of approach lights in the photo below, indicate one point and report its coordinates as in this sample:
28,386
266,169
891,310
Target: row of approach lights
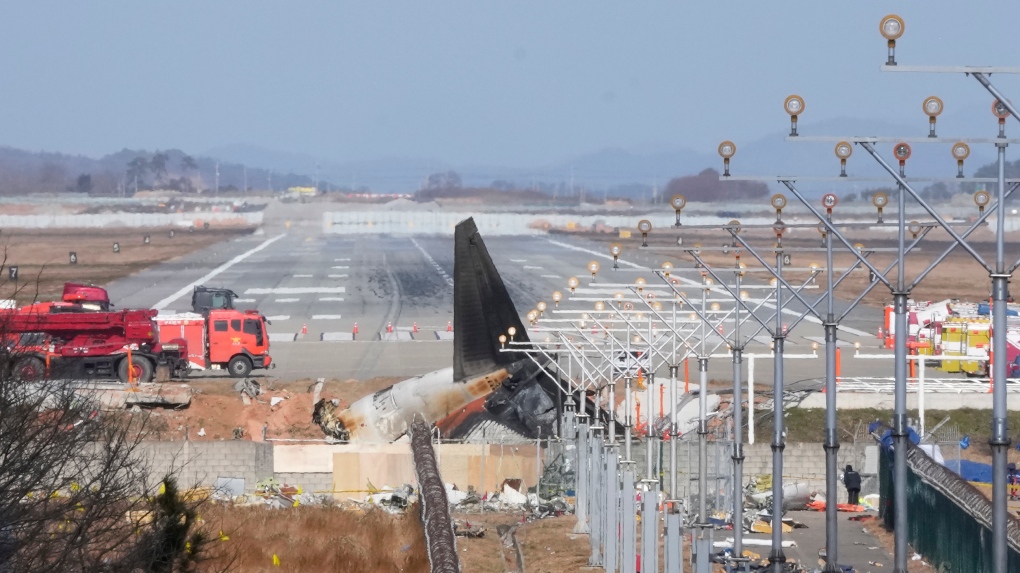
932,106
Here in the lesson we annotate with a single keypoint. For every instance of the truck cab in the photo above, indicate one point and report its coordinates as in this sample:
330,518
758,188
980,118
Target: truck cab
238,340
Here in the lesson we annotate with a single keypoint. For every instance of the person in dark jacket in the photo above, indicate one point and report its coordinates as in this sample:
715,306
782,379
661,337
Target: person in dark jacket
852,481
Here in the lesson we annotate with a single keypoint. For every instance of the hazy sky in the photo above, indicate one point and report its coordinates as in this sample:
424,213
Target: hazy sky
517,83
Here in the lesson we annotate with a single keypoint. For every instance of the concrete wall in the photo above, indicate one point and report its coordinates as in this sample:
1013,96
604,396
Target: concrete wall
113,220
201,463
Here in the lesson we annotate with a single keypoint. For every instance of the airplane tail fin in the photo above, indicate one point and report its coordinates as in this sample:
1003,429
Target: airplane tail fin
482,309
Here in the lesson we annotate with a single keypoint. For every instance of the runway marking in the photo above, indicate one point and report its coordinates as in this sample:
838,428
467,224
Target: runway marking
341,268
340,260
279,317
302,276
337,276
244,300
297,290
526,267
433,262
331,299
215,272
282,336
336,336
518,260
325,317
287,300
551,276
690,282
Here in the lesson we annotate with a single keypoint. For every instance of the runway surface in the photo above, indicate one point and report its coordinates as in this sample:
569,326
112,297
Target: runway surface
315,287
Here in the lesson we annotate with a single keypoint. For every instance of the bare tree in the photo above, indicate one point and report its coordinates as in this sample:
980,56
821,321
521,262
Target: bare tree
75,493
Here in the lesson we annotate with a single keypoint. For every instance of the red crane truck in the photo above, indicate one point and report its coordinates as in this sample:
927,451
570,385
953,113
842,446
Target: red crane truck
79,337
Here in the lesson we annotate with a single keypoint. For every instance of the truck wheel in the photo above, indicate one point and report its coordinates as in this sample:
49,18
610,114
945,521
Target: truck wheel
29,369
239,366
141,369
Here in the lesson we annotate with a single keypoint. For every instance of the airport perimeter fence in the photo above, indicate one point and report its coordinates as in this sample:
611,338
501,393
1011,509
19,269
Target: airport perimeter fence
950,519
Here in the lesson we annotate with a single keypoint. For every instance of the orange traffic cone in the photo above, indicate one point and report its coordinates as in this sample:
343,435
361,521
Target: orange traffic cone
449,326
389,327
304,329
414,327
355,331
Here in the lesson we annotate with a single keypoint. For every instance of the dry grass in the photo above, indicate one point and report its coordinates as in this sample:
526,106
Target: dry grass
42,256
318,539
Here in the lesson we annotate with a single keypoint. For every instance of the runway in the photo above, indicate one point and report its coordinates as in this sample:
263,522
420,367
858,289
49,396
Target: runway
315,287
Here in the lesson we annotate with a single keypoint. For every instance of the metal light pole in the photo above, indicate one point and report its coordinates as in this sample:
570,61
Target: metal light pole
776,557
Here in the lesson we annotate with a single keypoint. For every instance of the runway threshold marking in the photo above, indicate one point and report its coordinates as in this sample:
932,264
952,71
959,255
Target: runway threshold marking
302,276
326,317
331,299
341,268
279,317
337,276
297,290
244,300
215,272
341,260
287,300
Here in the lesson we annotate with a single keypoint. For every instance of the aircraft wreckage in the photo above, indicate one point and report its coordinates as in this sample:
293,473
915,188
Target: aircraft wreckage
485,390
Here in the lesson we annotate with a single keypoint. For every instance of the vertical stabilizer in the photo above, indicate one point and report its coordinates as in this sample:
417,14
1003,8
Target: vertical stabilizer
482,309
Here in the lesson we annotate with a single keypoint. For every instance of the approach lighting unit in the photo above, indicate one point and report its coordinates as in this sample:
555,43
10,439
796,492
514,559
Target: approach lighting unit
714,307
645,226
678,202
843,151
859,247
511,331
815,269
932,107
666,268
823,231
557,296
778,202
1000,111
794,105
593,268
880,200
541,306
726,151
961,151
902,152
829,200
744,295
914,227
981,199
640,283
502,341
892,28
572,282
615,249
600,306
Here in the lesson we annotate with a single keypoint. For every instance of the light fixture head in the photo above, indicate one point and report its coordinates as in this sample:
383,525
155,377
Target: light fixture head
615,249
727,149
618,296
932,106
1000,110
880,199
844,149
657,306
744,295
902,151
829,200
778,201
678,202
779,228
697,249
572,282
541,306
715,307
914,227
593,267
794,105
981,198
892,27
859,247
773,282
600,306
961,151
640,282
667,266
511,331
557,296
502,339
734,225
822,229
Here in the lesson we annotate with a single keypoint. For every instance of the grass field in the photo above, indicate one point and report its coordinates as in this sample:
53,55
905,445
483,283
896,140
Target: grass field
42,256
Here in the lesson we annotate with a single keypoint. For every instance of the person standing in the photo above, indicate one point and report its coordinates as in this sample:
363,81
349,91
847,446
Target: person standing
852,481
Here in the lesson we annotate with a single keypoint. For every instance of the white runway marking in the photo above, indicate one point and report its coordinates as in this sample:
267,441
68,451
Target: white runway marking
282,336
302,276
244,300
551,276
325,317
214,273
279,317
518,260
527,267
337,276
331,299
341,260
297,290
341,268
287,300
433,262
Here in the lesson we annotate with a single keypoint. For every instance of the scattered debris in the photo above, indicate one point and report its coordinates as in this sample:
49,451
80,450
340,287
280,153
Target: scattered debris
463,528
